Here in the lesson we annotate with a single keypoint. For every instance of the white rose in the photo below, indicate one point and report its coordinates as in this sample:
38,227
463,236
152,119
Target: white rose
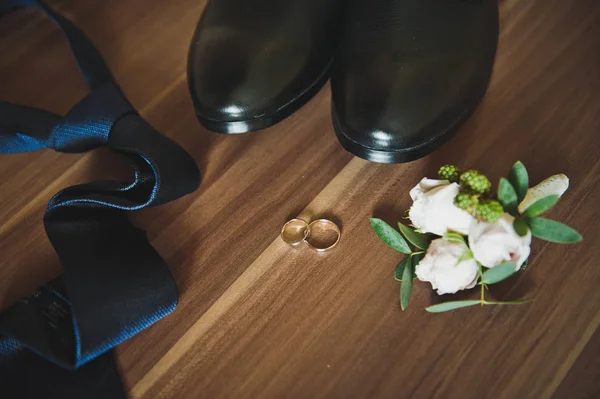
441,267
496,243
433,209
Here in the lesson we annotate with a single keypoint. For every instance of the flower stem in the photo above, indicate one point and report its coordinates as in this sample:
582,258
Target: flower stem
483,286
482,300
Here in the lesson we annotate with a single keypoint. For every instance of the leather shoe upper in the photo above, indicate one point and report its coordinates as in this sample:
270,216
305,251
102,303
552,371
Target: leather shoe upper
407,71
250,59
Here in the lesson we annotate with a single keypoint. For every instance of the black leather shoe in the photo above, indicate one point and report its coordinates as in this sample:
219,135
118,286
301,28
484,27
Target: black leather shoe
254,62
408,73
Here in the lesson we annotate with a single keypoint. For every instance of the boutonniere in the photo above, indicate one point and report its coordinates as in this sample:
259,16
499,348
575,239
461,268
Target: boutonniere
462,235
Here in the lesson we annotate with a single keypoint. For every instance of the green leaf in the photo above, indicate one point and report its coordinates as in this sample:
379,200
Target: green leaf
390,236
499,273
517,302
417,239
553,231
406,286
519,179
507,195
525,264
454,237
540,206
467,255
446,306
520,227
400,270
417,257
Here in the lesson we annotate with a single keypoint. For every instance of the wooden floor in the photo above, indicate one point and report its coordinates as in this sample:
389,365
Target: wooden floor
260,320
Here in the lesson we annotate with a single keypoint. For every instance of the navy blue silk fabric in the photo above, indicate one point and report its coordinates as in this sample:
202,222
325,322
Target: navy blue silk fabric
56,343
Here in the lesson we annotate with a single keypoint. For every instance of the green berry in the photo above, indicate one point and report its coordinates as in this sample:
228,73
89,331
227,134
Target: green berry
449,172
466,201
475,182
489,210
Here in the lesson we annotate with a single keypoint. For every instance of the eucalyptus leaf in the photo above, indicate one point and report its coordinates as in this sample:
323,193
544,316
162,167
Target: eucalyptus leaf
446,306
517,302
520,227
507,195
519,179
454,237
390,236
406,286
498,273
417,239
553,231
540,206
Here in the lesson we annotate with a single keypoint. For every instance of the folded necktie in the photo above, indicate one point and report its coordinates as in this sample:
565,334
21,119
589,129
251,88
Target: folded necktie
56,343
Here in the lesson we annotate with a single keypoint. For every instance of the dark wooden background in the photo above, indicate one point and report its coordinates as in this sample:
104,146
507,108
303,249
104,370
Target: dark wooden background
260,320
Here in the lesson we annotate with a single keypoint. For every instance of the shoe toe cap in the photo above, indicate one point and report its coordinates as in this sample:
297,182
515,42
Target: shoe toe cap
406,123
237,77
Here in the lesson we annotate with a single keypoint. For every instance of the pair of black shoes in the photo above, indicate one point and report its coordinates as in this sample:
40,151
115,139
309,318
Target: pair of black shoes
404,74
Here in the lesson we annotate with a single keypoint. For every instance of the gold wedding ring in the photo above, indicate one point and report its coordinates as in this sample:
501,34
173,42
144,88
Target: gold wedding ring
320,235
323,235
294,232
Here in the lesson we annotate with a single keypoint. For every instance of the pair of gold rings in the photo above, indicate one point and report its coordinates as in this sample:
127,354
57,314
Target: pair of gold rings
320,235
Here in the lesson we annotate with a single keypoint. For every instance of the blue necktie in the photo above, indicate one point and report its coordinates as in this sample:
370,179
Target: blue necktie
57,342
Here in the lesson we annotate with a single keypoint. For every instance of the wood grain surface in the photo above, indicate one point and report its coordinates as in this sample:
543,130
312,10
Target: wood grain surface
258,319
